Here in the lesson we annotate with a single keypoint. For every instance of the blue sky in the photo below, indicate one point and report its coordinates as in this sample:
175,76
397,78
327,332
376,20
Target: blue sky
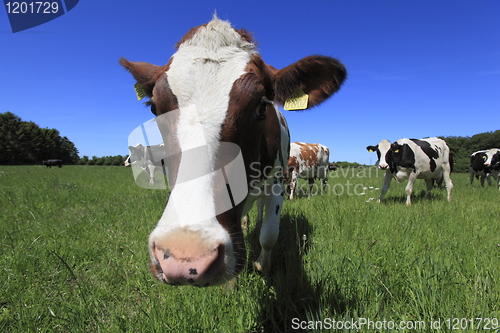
415,68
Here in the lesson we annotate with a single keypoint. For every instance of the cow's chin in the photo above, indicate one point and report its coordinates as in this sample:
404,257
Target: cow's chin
184,256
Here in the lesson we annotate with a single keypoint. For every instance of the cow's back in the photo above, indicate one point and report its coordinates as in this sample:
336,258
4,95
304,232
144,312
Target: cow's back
430,156
309,160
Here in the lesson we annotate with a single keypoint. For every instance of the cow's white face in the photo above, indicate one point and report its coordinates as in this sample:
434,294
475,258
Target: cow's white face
219,91
491,157
383,152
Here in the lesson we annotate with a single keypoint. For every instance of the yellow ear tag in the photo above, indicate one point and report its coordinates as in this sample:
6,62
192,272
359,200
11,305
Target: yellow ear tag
371,150
396,151
139,91
297,101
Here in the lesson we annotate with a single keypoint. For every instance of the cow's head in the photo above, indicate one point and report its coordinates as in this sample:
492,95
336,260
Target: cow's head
384,153
477,161
491,158
221,91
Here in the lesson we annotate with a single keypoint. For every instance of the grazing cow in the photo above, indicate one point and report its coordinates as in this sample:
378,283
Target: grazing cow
333,166
307,161
427,159
145,158
221,91
52,162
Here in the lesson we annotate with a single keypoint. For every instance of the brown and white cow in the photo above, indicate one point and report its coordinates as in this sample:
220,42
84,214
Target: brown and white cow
223,92
307,161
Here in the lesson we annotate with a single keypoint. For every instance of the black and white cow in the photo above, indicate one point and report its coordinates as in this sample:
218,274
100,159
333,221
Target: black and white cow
492,163
147,158
477,168
427,159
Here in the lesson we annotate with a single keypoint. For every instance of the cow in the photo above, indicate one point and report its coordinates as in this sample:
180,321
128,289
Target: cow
333,166
493,163
307,161
222,92
146,158
414,159
52,162
477,168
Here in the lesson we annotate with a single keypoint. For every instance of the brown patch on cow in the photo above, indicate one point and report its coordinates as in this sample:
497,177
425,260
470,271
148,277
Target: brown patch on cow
318,76
292,162
309,154
246,35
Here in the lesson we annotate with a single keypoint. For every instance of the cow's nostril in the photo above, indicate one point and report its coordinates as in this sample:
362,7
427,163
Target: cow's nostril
179,266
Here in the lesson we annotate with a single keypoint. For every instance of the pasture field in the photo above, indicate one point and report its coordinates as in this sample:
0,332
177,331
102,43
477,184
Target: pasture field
74,259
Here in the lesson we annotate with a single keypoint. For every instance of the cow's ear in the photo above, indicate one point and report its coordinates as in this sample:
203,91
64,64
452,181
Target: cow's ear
317,76
371,149
395,147
145,73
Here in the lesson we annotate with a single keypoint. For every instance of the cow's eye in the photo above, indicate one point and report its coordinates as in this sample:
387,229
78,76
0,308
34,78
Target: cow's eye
153,109
260,113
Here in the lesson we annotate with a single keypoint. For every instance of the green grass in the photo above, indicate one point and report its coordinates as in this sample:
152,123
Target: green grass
74,257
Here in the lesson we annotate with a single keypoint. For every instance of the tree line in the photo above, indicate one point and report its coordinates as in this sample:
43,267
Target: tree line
106,160
24,142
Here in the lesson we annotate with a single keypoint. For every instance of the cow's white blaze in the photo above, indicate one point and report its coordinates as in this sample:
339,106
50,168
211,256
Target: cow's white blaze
384,146
201,75
489,156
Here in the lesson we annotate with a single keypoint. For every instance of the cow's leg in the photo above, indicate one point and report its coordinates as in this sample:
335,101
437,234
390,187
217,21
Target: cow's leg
409,187
481,180
151,167
488,179
260,209
270,227
387,184
311,184
471,176
447,180
323,175
430,185
293,184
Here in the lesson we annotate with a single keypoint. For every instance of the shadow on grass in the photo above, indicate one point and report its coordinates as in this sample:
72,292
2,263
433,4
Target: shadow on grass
291,297
420,196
